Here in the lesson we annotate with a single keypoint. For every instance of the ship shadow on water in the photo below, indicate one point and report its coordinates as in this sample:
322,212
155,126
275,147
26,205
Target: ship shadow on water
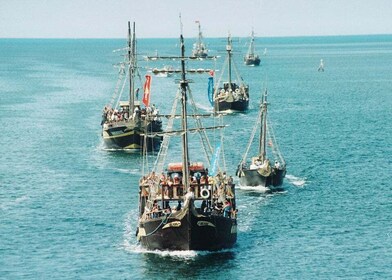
187,263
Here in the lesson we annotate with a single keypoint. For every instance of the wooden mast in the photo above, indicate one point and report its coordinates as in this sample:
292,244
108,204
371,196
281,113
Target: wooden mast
132,66
228,48
184,84
263,127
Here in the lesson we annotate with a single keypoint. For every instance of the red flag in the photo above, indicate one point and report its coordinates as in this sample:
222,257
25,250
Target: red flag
211,72
147,88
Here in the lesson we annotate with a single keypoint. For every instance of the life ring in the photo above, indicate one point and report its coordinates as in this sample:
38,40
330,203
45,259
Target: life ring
204,193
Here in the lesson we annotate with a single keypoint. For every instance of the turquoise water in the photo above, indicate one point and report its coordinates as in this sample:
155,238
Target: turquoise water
68,208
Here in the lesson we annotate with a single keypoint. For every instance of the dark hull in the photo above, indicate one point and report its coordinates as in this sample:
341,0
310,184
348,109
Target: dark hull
130,137
240,105
273,182
207,233
252,61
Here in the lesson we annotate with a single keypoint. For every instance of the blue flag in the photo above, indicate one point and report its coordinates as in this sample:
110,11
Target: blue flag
211,90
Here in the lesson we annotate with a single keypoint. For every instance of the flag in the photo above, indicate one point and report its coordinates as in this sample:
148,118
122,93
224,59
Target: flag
196,21
214,160
147,92
210,90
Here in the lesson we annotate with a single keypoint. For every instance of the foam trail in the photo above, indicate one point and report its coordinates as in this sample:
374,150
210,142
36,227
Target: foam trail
17,201
260,189
204,107
296,181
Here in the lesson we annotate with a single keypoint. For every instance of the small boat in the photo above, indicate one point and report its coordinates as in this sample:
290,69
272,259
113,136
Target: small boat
200,50
124,122
231,95
321,66
251,58
259,171
188,207
166,71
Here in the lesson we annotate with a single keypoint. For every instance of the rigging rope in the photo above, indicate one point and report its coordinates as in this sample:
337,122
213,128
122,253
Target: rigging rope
119,80
122,89
237,73
222,146
202,132
255,127
221,75
275,147
160,161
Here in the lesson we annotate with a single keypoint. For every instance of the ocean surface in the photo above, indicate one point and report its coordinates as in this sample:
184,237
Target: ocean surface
68,207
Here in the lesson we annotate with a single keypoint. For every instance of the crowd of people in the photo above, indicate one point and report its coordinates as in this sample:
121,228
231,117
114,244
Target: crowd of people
111,115
216,192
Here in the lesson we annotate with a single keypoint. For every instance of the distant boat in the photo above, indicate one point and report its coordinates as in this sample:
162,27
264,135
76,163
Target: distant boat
259,171
125,122
188,207
231,95
321,67
199,48
251,58
166,71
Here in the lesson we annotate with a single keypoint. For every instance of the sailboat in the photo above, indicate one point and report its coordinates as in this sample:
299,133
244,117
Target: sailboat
125,121
231,95
321,67
188,207
259,171
199,48
251,58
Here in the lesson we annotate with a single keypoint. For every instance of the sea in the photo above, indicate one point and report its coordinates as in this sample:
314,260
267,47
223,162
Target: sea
69,207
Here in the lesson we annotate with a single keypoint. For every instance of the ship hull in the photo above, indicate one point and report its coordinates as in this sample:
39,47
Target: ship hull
273,182
252,62
127,135
205,233
240,105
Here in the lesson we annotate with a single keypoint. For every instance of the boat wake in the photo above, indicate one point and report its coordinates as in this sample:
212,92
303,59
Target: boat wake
204,107
296,181
11,204
260,189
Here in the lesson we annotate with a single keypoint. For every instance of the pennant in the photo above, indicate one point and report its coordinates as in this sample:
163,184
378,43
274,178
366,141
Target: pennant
147,91
210,90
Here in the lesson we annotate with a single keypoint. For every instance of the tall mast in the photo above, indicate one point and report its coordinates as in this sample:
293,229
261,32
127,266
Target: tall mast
263,127
132,67
199,40
184,84
252,45
228,48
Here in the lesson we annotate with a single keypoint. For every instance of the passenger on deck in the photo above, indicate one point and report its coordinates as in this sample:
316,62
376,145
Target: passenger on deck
221,193
155,210
194,180
178,208
176,180
163,178
143,181
203,180
227,209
